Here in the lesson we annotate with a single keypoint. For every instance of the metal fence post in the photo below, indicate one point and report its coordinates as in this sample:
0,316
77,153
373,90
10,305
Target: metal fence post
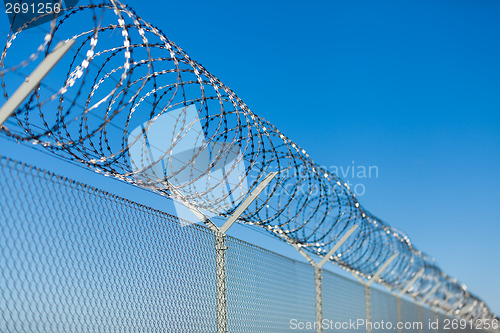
220,245
400,316
220,262
319,296
426,297
318,274
402,292
367,285
220,252
421,318
368,312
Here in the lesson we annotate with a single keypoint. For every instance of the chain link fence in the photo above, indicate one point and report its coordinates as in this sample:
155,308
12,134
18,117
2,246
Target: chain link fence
74,258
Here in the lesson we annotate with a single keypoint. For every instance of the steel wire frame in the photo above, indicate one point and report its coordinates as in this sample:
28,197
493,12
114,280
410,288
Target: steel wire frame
124,71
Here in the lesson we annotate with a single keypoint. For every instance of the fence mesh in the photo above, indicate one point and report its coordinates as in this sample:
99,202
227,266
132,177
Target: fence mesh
266,290
427,317
74,258
410,314
343,299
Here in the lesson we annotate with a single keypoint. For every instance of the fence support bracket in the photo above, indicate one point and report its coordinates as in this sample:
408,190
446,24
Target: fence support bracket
34,79
411,283
318,274
367,285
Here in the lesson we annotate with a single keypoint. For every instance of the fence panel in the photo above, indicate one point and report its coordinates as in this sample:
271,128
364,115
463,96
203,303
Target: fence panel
441,319
265,291
428,317
75,259
343,300
383,307
410,316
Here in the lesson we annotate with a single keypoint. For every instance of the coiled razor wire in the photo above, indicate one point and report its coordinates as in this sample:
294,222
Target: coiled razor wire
129,103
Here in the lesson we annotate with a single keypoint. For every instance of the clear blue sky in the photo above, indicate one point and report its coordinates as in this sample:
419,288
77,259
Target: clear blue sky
411,87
